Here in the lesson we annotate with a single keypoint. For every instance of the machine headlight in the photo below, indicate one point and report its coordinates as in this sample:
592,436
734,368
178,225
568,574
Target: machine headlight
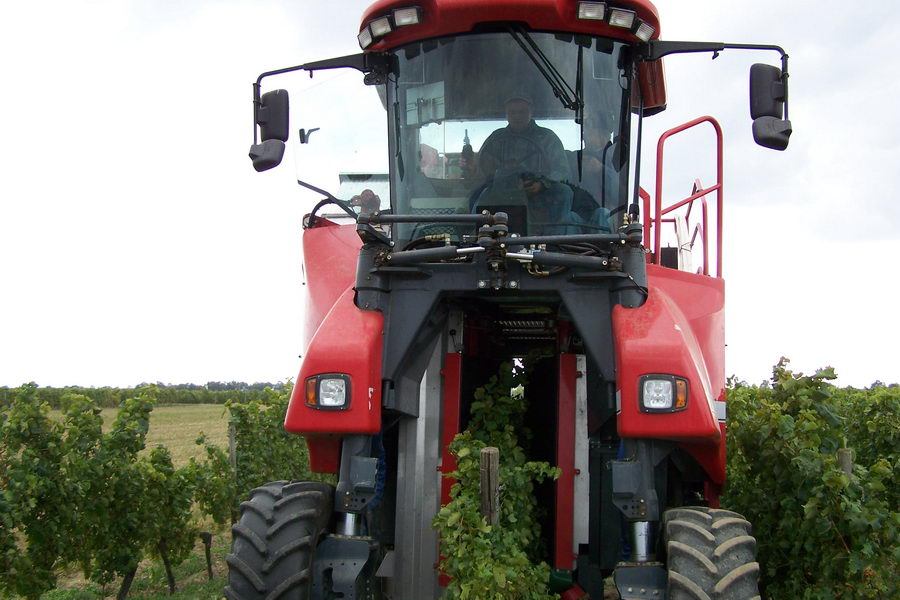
663,393
594,11
330,391
380,26
407,16
642,30
365,37
621,17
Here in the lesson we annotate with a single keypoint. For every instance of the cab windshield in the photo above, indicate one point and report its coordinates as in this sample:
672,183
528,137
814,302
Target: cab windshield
476,124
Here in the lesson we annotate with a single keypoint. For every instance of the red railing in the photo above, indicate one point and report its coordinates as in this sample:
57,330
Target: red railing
698,193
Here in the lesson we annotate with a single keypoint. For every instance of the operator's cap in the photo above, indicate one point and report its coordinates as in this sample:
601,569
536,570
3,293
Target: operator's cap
519,97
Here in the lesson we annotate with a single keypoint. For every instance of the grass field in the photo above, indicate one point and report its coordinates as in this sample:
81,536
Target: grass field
177,426
191,579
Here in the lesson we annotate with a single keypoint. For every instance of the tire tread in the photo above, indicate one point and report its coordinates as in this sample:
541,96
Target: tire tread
711,555
274,543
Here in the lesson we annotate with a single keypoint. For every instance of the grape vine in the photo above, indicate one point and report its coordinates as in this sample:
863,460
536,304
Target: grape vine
495,562
823,533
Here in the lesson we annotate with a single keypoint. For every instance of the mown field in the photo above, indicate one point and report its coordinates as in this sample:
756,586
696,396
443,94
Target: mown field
177,426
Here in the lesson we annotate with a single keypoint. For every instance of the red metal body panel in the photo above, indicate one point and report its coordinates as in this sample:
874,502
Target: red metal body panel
329,266
324,453
678,331
327,353
332,318
452,376
450,424
563,557
448,17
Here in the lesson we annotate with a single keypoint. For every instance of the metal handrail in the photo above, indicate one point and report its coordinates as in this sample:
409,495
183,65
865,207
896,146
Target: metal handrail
698,193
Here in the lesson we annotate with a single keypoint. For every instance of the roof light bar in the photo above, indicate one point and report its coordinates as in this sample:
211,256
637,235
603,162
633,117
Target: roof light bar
620,17
380,27
592,11
407,16
643,31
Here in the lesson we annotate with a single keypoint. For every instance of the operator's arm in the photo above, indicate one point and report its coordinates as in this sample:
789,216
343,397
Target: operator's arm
557,163
487,155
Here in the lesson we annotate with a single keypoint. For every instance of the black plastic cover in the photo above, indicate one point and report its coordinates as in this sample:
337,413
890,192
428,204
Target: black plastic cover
771,132
267,155
272,116
766,92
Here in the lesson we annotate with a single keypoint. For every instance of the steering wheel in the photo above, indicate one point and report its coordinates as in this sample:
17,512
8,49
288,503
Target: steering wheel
532,150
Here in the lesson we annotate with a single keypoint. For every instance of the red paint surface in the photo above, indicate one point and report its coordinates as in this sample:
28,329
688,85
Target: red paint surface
330,253
696,196
324,453
563,557
330,318
452,377
575,593
348,340
680,331
452,374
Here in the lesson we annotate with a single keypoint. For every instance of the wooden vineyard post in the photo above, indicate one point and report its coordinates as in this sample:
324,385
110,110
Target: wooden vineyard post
207,546
232,448
845,460
490,485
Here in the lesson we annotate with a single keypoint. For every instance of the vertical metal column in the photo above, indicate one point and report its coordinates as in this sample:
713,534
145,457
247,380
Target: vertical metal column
563,557
418,494
582,490
573,485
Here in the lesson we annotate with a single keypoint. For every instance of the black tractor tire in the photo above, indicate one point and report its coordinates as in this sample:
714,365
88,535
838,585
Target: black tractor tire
274,543
710,555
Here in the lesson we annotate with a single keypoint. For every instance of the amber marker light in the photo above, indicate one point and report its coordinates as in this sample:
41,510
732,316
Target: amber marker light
311,386
680,394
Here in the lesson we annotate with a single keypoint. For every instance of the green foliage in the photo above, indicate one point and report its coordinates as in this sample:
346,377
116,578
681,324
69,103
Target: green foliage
218,494
501,562
72,495
35,506
170,496
821,533
264,452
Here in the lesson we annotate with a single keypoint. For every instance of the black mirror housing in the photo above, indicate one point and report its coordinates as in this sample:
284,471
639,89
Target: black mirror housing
772,132
272,116
267,155
767,92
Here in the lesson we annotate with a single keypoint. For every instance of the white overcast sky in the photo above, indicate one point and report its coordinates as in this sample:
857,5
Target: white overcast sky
137,244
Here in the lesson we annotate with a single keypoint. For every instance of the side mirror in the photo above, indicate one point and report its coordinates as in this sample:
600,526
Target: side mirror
272,116
267,155
768,95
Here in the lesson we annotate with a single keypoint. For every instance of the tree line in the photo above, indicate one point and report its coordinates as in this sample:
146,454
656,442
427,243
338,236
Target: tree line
213,392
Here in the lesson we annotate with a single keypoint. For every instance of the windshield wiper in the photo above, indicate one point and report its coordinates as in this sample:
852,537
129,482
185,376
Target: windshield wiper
561,89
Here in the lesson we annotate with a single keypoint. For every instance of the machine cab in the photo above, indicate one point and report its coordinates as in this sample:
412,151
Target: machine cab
532,124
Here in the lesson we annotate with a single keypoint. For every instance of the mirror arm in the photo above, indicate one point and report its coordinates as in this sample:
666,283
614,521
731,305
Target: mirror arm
365,62
656,49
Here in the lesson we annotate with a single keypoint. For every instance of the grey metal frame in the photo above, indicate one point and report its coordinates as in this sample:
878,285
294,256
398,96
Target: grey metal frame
418,489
